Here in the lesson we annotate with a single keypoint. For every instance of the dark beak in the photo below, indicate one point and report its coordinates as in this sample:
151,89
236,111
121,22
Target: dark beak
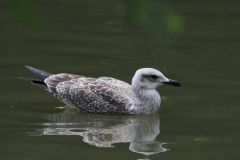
173,82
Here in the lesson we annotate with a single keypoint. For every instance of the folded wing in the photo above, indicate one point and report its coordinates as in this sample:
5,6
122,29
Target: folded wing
101,95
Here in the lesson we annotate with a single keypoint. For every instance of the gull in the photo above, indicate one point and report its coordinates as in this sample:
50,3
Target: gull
105,94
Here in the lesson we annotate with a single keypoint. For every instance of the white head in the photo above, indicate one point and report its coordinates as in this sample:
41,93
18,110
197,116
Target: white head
149,78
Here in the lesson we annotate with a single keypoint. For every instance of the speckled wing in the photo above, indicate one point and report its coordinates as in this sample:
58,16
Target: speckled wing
54,80
101,95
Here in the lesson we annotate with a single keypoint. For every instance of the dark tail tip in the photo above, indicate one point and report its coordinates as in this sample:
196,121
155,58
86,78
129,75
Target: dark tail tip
41,74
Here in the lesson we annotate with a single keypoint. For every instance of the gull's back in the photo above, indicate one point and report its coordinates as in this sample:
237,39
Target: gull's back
99,95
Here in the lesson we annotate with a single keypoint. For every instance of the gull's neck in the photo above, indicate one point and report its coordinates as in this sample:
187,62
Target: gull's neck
148,100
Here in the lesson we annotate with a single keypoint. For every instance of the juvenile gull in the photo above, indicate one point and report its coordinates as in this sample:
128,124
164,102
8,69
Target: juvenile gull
106,94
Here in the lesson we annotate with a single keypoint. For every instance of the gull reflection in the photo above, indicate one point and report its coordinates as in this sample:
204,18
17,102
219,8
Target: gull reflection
106,130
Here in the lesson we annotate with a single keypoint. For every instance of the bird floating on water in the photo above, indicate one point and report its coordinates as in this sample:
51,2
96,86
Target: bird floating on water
105,94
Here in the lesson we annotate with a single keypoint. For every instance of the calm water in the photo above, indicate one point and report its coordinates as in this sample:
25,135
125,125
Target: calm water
194,43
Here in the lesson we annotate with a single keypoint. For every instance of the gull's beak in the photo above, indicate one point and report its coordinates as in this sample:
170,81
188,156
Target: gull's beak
173,82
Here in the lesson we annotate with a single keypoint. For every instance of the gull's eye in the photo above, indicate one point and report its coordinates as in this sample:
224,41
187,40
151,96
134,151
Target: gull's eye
153,76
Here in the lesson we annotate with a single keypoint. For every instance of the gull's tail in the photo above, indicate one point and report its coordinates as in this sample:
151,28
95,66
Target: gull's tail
41,74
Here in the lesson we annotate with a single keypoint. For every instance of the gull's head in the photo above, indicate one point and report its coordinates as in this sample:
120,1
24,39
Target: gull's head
149,78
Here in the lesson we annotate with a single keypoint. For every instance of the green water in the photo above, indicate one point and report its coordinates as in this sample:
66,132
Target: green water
195,43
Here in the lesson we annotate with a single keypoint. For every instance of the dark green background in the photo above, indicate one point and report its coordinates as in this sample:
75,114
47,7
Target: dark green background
196,43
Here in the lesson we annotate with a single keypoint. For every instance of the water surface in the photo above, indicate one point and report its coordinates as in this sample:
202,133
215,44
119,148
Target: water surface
194,43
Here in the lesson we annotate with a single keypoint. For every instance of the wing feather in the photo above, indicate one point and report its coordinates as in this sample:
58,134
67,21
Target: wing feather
102,95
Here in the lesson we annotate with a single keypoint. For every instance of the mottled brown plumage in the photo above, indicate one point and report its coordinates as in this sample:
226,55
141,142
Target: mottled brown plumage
105,94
